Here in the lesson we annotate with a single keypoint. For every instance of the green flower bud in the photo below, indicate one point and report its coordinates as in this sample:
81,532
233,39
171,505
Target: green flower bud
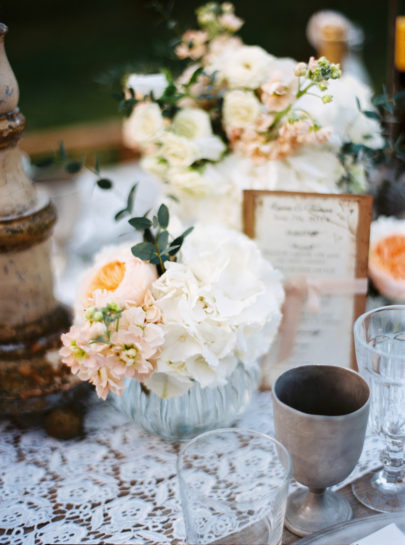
93,314
326,99
114,307
323,86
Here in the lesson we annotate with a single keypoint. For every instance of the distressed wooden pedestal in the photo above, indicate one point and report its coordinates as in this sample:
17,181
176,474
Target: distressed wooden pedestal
31,320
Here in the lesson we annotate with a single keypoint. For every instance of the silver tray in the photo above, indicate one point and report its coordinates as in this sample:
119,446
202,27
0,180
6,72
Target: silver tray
347,533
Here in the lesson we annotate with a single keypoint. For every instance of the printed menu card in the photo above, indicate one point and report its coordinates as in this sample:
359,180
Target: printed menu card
320,243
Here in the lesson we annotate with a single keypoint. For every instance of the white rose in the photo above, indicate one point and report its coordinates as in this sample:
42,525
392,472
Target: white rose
144,125
143,84
210,148
241,109
155,165
248,67
192,123
178,150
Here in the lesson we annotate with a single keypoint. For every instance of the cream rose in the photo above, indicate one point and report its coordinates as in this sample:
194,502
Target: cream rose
241,109
155,165
178,150
192,123
144,125
188,181
248,67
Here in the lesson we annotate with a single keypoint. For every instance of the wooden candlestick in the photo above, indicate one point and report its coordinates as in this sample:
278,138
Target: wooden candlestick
31,320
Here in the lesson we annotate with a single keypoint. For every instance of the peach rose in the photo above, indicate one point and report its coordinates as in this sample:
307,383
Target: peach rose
117,276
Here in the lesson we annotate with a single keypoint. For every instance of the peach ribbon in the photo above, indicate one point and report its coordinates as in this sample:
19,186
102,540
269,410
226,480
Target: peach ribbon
301,292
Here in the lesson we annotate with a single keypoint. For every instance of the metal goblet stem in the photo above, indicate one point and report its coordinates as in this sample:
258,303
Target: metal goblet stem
320,415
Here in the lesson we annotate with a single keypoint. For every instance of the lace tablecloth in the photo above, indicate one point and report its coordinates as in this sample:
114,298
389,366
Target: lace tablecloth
117,484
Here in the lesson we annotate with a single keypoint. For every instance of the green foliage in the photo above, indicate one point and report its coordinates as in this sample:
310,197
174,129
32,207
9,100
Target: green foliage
127,211
104,183
73,167
385,112
157,248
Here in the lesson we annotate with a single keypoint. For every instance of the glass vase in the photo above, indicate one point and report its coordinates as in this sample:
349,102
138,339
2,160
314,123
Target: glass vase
198,410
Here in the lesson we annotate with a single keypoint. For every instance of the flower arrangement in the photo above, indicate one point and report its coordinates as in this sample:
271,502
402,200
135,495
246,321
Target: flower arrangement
172,311
240,118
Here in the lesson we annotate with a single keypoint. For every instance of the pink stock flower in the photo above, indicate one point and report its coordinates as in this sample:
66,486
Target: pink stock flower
280,89
103,351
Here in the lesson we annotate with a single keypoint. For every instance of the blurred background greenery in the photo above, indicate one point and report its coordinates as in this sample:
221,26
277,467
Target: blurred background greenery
61,51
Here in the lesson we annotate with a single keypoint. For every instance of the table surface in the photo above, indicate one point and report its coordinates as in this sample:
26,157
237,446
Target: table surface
113,484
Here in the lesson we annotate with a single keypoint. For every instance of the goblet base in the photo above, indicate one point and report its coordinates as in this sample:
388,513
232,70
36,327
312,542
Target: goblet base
309,511
375,492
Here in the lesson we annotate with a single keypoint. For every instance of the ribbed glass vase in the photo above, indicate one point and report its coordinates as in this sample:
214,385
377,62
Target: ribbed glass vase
198,410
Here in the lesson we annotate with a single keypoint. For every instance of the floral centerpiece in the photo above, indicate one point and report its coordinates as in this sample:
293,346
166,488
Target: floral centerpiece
176,317
240,118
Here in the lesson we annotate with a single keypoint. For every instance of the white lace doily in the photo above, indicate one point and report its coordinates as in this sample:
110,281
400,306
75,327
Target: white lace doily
118,484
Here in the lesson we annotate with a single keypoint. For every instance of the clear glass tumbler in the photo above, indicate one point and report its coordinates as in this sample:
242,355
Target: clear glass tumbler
233,487
380,350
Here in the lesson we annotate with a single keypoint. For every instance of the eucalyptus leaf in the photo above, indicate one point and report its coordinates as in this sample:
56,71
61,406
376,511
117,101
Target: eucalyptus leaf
45,162
73,166
120,214
62,151
140,223
97,166
163,216
399,95
148,236
187,232
144,250
104,183
131,198
371,114
162,240
175,245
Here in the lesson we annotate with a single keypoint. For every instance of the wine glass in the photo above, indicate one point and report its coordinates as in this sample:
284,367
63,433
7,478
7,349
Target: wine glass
380,350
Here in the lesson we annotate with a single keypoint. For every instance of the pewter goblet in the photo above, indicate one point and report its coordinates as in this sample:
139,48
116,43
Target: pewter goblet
320,416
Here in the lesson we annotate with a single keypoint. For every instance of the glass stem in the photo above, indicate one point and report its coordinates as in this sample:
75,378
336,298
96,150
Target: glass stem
393,459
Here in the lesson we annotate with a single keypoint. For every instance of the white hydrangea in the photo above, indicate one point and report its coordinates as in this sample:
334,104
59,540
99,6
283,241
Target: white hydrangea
219,307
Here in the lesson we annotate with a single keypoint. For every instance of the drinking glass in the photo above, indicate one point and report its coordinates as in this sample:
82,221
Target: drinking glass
380,350
233,487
